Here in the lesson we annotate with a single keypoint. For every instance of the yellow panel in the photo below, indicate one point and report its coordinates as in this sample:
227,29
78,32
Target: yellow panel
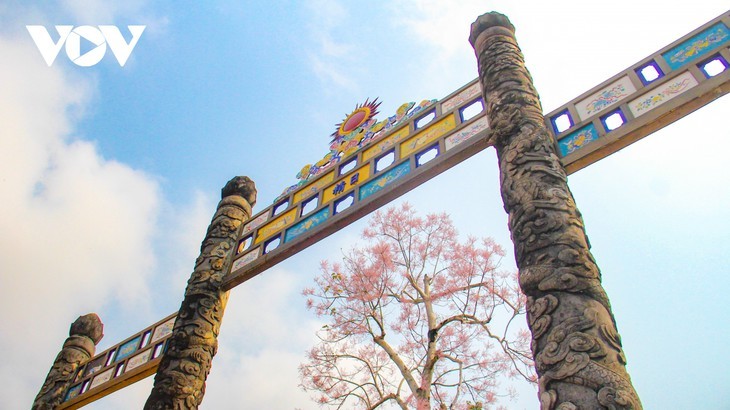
314,187
344,184
385,144
428,135
281,222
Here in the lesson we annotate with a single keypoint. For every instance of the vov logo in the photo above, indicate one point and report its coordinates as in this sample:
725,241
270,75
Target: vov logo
99,37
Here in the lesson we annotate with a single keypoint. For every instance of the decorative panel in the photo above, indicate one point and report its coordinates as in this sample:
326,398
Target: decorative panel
427,135
385,144
385,179
138,360
102,378
276,225
604,98
73,392
471,130
245,259
95,365
314,187
127,349
468,94
162,330
665,92
577,139
307,224
346,183
697,46
255,223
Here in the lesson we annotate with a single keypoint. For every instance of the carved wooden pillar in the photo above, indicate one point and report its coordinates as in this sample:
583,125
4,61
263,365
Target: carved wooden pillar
180,379
576,346
78,348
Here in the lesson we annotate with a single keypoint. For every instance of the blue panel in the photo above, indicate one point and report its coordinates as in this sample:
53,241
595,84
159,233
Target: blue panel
307,224
127,349
577,139
95,365
697,46
73,392
384,180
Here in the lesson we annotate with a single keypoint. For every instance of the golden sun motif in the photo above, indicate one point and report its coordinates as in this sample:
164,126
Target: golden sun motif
359,116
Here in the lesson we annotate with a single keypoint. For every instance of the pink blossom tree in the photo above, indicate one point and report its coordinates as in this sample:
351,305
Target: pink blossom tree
416,319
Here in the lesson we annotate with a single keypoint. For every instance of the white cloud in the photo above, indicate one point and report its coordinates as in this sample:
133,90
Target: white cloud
329,59
330,74
439,30
266,380
439,24
182,229
261,345
76,227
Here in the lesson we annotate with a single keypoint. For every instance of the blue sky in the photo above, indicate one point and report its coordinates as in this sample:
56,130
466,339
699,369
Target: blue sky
109,175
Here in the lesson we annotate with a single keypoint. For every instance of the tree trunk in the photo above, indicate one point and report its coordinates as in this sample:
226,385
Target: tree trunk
180,379
575,344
